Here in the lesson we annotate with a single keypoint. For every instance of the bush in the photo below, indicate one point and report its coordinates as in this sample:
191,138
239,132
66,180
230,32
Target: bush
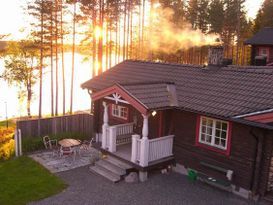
6,143
31,144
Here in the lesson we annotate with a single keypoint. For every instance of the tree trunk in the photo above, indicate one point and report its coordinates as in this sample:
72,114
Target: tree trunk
51,63
139,30
110,49
62,49
73,58
128,29
143,26
41,68
94,59
100,45
29,93
124,30
56,58
106,45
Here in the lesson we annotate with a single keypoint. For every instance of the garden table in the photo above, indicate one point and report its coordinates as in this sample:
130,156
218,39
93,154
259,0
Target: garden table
69,146
69,142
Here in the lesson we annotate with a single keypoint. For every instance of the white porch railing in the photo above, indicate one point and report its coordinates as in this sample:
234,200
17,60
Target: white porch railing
117,135
160,148
145,150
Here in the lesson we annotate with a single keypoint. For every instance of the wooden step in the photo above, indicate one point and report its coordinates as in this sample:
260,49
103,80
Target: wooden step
118,162
105,173
111,167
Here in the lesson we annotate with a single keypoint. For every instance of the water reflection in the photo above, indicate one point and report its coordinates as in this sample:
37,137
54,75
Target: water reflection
17,107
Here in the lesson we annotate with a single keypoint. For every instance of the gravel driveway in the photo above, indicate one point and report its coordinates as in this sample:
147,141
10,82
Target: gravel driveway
85,188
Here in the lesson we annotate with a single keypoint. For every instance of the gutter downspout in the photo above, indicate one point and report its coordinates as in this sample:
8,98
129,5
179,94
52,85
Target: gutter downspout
258,159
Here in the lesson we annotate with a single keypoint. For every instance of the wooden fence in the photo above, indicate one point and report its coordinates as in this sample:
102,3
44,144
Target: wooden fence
81,123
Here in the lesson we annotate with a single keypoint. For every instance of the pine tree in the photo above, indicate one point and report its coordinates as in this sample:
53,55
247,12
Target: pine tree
216,16
264,17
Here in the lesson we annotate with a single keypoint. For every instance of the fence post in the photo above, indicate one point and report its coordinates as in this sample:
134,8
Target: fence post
16,143
134,148
20,142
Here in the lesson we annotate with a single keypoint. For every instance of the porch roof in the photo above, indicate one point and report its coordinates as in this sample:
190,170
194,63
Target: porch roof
225,92
144,96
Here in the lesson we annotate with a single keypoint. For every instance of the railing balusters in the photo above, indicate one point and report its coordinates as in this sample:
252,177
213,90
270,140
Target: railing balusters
160,148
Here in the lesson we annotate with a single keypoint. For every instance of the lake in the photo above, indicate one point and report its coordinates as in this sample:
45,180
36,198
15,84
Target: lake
17,107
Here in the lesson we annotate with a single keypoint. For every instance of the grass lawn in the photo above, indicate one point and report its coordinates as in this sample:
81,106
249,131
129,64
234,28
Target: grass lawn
23,180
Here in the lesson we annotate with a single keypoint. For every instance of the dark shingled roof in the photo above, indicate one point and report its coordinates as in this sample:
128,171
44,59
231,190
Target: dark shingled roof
263,37
152,95
226,92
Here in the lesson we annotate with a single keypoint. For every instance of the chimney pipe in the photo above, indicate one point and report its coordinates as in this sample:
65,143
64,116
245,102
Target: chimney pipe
215,56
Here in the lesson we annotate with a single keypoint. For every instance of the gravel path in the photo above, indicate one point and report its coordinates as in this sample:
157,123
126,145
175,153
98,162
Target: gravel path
85,188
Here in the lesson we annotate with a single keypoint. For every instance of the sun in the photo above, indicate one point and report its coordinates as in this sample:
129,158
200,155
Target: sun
98,32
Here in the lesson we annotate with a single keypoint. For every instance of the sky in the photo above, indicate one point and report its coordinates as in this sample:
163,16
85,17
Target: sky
13,18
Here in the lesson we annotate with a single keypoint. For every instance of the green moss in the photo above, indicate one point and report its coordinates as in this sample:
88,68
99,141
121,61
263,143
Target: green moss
23,180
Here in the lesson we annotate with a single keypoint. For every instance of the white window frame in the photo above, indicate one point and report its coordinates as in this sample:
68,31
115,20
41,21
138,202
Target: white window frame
119,111
213,136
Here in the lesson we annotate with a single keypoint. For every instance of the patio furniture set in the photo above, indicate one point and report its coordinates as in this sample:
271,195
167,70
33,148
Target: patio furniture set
66,147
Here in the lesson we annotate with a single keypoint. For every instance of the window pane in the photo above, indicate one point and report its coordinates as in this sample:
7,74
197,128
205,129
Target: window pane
203,129
224,126
223,142
217,141
209,122
223,135
203,137
204,121
217,133
209,130
218,125
208,138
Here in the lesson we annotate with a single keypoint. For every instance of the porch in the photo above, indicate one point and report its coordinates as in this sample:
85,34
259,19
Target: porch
123,142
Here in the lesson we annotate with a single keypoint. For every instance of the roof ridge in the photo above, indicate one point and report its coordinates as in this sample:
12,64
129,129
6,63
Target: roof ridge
146,83
250,69
163,63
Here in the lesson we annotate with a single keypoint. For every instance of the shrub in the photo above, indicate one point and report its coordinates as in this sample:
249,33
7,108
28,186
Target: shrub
6,143
31,144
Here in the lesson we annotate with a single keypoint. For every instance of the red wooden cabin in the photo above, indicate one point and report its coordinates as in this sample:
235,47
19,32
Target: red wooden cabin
215,120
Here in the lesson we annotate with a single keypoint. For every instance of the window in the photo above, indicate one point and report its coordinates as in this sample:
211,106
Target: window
214,132
263,52
119,111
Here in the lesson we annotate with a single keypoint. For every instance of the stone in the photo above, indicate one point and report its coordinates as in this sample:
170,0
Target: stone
131,178
143,176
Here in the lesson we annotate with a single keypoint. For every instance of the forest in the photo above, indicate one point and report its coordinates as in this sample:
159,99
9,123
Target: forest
110,31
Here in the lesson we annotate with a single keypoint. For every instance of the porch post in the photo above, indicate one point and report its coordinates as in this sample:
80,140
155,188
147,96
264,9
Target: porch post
134,148
112,139
105,125
144,149
145,128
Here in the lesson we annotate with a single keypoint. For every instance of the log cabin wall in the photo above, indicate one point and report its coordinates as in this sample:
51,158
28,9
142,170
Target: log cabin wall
133,116
266,170
242,154
159,125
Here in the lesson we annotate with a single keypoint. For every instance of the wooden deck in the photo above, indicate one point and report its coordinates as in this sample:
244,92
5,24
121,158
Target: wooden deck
124,153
